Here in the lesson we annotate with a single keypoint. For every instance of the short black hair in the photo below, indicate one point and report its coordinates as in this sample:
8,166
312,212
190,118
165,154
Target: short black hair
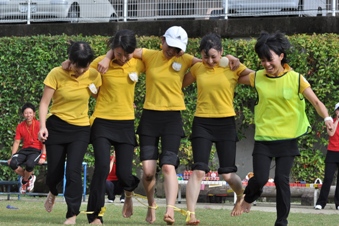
125,39
210,41
27,105
80,53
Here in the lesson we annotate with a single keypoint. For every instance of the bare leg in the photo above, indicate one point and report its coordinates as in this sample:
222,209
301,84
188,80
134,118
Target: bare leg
235,183
171,191
192,194
148,180
127,210
27,175
20,171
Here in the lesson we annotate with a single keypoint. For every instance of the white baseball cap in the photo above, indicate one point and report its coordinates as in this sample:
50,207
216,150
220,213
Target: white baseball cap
336,106
177,37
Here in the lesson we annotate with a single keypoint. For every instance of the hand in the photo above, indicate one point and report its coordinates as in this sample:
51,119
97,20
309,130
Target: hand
234,62
329,124
42,161
103,65
9,161
43,135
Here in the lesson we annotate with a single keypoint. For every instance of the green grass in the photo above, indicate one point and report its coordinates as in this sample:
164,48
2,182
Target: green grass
31,212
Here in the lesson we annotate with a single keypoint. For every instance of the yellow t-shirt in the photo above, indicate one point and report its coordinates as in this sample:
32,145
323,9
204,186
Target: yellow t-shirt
303,82
116,96
71,96
215,90
163,83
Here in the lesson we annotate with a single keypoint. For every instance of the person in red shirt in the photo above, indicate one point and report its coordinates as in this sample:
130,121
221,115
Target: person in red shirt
331,165
32,151
113,186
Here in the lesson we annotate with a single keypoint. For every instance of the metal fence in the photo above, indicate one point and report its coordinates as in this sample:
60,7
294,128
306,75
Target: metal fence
27,11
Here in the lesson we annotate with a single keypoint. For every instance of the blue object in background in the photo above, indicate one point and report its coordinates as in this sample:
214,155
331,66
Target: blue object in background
11,207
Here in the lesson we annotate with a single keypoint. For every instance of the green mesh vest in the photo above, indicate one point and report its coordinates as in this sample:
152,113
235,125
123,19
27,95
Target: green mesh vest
280,108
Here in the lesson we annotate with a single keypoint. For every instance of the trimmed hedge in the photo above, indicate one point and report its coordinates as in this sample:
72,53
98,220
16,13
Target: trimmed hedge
25,62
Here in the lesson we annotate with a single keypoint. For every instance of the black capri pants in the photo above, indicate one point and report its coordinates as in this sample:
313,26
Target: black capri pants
222,132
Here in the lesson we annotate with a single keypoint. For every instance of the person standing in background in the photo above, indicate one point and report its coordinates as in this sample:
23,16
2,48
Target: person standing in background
331,165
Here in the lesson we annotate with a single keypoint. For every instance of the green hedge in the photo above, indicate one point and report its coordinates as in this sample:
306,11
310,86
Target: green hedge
25,61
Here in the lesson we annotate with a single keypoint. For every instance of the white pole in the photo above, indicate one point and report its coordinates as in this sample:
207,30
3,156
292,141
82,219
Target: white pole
29,12
125,10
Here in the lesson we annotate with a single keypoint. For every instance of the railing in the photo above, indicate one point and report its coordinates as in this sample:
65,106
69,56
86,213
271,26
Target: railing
27,11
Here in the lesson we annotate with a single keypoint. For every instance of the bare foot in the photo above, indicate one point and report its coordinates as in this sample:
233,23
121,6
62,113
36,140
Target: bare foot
150,217
192,220
237,210
245,206
49,203
127,209
168,219
71,220
96,222
169,215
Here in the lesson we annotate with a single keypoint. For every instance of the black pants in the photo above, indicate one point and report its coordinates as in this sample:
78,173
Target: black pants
114,188
330,168
56,156
124,158
261,169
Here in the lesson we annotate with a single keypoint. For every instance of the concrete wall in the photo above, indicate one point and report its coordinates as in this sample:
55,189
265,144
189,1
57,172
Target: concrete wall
232,28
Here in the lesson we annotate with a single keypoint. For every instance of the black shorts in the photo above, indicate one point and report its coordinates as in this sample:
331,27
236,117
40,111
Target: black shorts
61,132
159,123
120,131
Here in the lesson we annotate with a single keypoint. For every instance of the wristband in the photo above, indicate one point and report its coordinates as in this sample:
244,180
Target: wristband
43,156
328,118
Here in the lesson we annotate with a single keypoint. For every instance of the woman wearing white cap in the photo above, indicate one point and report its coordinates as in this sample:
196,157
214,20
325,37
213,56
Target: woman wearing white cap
161,117
331,165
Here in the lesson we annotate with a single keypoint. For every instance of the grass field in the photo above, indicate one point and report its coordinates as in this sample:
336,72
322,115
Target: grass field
31,212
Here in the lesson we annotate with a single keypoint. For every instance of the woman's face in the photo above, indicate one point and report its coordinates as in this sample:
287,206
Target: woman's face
211,58
78,71
169,51
273,66
121,56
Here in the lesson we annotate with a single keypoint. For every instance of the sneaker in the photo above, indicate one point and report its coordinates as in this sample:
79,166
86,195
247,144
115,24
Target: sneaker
31,183
110,201
122,200
23,188
318,207
49,203
337,207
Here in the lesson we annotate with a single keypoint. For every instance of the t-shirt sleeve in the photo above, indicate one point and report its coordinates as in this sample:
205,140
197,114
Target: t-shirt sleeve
304,84
51,80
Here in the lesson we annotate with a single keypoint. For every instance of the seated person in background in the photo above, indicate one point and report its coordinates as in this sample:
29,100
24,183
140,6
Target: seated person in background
32,151
113,186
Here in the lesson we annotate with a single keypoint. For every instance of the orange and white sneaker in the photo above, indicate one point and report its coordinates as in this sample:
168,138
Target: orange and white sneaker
31,182
23,188
49,203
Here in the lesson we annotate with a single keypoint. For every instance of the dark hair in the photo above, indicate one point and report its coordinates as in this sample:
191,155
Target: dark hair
80,53
210,41
27,105
124,39
277,42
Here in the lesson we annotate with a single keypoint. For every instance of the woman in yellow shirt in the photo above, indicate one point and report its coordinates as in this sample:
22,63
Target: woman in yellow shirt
112,123
213,121
66,132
